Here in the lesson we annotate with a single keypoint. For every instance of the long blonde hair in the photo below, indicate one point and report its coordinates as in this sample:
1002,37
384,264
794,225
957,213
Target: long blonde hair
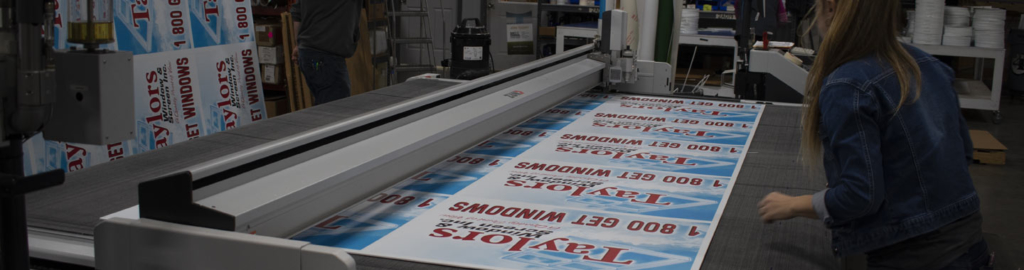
859,28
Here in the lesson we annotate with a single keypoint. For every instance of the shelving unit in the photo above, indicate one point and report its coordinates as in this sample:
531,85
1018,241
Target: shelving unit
717,15
273,91
542,7
581,30
569,8
715,41
268,11
976,95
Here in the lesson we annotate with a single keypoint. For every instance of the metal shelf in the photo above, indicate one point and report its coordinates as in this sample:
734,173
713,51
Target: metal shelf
274,87
268,11
707,40
977,95
570,8
718,15
377,23
716,41
541,7
959,51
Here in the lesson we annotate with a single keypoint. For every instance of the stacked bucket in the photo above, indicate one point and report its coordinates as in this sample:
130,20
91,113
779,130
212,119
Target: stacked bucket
989,28
929,22
958,27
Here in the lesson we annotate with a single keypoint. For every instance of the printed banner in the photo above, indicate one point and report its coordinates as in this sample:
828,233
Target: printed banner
597,182
235,96
221,22
166,100
195,73
151,26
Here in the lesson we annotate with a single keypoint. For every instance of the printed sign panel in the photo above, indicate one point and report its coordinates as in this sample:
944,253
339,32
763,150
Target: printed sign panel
195,73
151,26
236,94
219,22
597,182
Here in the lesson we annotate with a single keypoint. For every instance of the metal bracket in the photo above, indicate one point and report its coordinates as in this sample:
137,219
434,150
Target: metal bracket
170,199
13,223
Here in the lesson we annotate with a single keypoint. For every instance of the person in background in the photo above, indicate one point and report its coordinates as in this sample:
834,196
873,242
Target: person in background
884,119
327,32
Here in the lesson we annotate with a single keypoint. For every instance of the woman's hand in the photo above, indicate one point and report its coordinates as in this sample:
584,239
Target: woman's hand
778,206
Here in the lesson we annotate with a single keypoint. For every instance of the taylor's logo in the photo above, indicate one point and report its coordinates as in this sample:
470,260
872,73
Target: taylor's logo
514,94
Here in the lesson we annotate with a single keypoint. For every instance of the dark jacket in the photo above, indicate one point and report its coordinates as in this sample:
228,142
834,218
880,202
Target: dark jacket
892,176
330,26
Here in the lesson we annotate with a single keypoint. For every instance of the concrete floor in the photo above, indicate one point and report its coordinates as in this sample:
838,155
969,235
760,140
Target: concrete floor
1001,187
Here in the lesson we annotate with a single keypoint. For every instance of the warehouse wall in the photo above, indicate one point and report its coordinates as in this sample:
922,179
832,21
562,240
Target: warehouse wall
442,22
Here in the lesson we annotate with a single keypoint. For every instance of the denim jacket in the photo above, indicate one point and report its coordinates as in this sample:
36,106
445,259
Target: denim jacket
892,176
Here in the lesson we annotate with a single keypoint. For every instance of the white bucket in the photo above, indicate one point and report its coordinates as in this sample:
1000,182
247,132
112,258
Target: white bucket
688,25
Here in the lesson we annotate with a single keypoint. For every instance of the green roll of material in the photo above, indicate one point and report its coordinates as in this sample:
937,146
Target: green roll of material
663,39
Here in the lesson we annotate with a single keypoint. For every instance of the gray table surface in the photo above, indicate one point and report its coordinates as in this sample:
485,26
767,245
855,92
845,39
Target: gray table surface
89,194
740,242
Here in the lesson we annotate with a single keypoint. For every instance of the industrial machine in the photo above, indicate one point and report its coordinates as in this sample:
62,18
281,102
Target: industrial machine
471,51
82,95
238,208
764,74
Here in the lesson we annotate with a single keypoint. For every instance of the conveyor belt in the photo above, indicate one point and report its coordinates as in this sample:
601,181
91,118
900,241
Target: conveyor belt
741,240
89,194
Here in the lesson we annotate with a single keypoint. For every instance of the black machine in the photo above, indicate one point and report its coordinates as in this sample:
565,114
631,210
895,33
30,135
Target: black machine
471,53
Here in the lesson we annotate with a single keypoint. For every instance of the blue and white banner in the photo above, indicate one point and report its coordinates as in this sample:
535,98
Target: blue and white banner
196,72
598,182
221,22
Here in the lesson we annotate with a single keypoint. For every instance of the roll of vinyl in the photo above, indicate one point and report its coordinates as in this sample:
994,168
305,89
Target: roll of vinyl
632,23
648,12
929,20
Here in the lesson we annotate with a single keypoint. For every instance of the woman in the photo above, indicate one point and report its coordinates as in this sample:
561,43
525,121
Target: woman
885,120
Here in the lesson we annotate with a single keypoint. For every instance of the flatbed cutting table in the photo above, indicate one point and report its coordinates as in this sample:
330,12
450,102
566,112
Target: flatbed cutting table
64,220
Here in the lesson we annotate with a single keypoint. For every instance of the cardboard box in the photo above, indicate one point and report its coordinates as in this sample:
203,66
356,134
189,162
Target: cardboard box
988,150
271,55
268,34
547,31
276,106
272,74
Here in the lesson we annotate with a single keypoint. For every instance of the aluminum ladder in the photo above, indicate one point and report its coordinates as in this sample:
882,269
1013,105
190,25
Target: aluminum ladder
398,9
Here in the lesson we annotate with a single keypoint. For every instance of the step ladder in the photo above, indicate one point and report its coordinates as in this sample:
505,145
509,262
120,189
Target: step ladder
398,9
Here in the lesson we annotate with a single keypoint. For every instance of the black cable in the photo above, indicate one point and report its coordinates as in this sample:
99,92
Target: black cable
491,56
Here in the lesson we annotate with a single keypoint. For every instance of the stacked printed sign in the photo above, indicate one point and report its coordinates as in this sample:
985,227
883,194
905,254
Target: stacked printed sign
598,182
196,73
